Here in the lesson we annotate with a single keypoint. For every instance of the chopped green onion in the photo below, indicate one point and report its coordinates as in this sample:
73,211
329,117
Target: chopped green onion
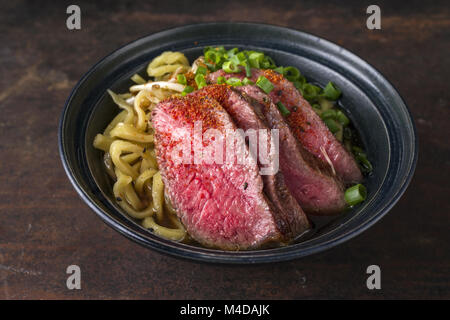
357,149
221,80
272,63
235,60
201,70
291,73
187,89
206,49
181,78
221,49
284,111
247,81
330,113
339,135
212,67
332,125
234,81
364,163
232,52
248,70
230,67
200,80
348,134
301,80
138,79
361,158
255,59
355,194
331,91
213,56
241,56
264,84
342,118
317,109
325,104
310,92
279,70
268,63
299,83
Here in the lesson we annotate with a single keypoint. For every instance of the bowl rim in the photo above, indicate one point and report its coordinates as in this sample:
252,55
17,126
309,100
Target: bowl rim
243,257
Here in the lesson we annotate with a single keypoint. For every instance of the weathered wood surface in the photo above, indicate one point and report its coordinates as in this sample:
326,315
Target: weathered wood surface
45,226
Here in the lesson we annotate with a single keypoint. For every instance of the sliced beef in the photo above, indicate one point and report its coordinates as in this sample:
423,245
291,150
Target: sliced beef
290,217
306,125
221,205
310,181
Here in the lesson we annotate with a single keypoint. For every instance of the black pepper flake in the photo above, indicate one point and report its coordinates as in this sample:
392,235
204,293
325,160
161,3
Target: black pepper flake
294,108
119,199
145,149
245,186
265,99
308,123
279,92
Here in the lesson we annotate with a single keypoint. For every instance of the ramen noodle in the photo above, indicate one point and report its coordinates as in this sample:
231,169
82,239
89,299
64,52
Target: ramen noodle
129,154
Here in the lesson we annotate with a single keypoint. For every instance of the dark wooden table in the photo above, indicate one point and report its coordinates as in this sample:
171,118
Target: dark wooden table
45,226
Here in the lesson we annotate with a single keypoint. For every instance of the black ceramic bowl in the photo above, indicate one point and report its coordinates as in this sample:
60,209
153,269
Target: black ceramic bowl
376,109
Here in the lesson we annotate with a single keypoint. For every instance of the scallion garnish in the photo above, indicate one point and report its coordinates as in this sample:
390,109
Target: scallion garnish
230,67
331,113
339,135
331,91
213,56
325,104
206,49
291,73
355,194
255,59
362,160
264,84
221,80
234,81
317,109
342,118
332,125
284,111
187,89
310,92
248,70
247,81
279,70
200,80
232,52
212,67
181,79
201,70
241,56
300,82
268,63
